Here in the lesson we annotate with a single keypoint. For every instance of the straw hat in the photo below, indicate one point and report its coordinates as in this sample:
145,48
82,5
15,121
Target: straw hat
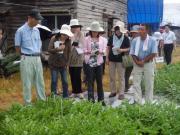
65,29
95,26
75,23
121,25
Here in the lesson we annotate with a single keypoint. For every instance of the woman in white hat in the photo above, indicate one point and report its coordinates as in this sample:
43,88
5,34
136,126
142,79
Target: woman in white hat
59,48
118,44
76,58
94,50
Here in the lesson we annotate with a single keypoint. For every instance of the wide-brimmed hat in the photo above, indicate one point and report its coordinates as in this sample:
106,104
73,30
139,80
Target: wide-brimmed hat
66,29
157,35
75,23
102,30
135,29
95,26
121,26
88,28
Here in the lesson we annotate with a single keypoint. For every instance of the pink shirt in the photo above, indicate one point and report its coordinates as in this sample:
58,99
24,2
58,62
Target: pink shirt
87,49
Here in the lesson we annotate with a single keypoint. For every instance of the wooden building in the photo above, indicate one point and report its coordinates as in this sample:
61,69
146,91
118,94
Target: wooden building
13,13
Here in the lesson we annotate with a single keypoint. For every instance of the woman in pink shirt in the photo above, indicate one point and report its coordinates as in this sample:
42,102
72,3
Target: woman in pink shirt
94,50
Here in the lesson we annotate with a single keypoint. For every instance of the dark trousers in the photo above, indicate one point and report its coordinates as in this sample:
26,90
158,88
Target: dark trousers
75,75
104,64
95,73
85,67
127,75
168,48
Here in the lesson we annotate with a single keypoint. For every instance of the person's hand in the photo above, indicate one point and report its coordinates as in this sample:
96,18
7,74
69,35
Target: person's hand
174,47
107,61
87,53
120,50
62,47
140,63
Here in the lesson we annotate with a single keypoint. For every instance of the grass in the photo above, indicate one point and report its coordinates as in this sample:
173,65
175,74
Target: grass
11,88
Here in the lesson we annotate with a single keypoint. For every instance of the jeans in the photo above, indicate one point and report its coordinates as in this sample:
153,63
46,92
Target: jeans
64,81
95,73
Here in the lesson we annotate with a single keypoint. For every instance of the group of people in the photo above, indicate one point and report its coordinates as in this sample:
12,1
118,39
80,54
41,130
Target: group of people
166,41
70,49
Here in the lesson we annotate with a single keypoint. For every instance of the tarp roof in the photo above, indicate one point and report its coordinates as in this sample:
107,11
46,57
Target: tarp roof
145,11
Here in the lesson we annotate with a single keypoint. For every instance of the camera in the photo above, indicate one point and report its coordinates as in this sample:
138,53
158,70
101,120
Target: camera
75,44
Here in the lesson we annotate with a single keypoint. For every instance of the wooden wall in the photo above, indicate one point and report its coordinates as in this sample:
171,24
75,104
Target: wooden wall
17,16
85,10
102,11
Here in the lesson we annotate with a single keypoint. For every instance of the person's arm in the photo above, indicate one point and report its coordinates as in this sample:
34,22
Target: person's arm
108,50
86,52
154,51
137,61
18,40
18,50
69,50
174,41
127,44
149,57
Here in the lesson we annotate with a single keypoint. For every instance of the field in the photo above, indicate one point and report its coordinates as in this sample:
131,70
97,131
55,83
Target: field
11,90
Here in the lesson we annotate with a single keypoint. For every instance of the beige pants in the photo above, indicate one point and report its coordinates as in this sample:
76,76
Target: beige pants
148,72
116,68
32,73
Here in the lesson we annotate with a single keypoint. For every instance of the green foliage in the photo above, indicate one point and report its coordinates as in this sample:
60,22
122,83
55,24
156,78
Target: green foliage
63,117
167,82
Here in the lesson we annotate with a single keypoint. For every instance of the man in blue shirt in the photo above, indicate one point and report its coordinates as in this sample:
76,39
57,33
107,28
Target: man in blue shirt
28,44
143,50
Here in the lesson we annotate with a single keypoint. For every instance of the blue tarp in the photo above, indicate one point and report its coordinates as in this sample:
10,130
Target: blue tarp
145,11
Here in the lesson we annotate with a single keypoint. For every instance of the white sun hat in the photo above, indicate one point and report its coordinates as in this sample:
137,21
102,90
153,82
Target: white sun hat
121,26
102,30
95,26
75,23
88,28
66,29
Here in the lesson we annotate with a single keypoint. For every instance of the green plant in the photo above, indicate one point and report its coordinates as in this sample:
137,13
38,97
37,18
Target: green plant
64,117
167,82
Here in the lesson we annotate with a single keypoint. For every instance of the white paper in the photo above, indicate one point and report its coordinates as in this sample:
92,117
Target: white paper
115,50
159,59
79,50
56,44
16,62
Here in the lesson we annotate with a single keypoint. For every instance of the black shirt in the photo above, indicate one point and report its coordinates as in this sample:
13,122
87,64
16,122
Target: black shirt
117,58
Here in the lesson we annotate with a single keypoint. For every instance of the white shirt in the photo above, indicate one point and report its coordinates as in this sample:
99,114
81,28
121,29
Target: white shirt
158,37
169,37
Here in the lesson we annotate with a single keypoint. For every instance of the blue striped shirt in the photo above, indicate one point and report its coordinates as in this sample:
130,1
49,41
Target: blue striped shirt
28,39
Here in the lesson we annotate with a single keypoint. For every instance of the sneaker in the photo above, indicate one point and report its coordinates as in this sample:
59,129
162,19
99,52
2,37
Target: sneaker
121,97
112,95
80,95
72,95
